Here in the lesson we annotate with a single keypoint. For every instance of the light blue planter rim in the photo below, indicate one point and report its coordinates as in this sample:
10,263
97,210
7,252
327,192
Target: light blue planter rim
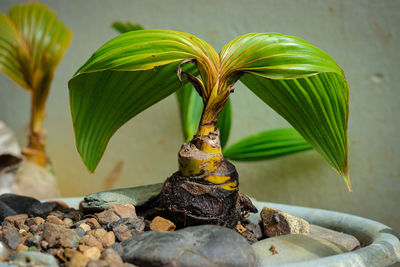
381,243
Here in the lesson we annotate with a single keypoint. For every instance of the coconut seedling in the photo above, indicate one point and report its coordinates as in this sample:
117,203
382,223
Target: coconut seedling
137,69
263,145
32,43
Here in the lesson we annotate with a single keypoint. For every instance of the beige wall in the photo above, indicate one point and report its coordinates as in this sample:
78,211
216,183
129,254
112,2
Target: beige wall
363,37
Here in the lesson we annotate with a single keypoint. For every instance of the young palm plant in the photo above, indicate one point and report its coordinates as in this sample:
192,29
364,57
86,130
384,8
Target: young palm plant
260,146
32,43
137,69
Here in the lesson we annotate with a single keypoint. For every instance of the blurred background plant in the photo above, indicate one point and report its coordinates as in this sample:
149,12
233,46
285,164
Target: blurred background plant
264,145
32,43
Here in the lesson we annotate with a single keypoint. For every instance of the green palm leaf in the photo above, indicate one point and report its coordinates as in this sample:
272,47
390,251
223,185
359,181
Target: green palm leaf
267,145
189,101
299,81
123,27
124,77
32,43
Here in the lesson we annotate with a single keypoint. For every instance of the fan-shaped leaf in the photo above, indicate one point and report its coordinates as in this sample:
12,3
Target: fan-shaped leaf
302,83
267,145
124,77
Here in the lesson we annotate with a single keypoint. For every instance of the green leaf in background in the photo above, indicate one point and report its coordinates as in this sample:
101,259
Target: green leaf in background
267,145
190,106
299,81
123,27
32,43
224,123
124,77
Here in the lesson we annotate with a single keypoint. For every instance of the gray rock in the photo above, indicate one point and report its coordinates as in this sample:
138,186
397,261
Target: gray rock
57,235
134,195
347,241
205,245
4,251
37,259
275,223
294,248
15,204
11,237
127,227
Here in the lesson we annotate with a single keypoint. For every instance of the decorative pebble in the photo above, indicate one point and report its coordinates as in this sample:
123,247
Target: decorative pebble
54,219
57,235
203,245
92,253
161,224
276,223
11,237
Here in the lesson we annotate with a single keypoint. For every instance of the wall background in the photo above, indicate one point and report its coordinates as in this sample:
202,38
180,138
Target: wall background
363,38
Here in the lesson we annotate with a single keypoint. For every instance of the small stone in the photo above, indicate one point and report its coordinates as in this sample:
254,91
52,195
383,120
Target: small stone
93,223
127,227
4,251
92,253
111,257
69,252
33,241
85,227
161,224
276,223
255,229
53,251
59,214
44,244
91,241
21,247
82,248
80,232
34,221
68,222
34,229
55,220
78,260
106,238
11,237
57,235
23,232
19,217
250,237
273,250
124,211
21,226
106,217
